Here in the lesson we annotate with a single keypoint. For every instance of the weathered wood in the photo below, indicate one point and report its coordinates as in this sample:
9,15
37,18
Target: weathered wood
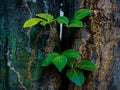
99,42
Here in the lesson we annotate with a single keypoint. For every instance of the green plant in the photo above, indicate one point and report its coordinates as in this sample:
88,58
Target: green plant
68,57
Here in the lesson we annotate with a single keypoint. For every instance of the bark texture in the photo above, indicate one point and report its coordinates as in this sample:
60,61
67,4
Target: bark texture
22,50
99,41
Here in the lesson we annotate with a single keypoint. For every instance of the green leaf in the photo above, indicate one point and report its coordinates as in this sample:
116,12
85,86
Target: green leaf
76,76
86,65
48,60
60,62
76,23
82,13
70,62
31,22
63,19
43,23
71,53
45,16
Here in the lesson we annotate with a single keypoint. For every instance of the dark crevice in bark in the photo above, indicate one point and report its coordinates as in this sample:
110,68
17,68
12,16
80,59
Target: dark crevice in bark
68,34
65,43
67,38
64,79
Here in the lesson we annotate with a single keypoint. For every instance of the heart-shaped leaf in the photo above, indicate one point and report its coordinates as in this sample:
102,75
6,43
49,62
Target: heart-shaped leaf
63,19
60,62
48,60
86,65
82,13
71,53
45,16
31,22
76,76
76,23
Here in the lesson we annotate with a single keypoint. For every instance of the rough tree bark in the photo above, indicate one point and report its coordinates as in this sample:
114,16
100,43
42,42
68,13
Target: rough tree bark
99,41
23,51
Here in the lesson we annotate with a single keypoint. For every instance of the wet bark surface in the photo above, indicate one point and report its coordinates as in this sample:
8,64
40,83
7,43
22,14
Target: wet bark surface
22,50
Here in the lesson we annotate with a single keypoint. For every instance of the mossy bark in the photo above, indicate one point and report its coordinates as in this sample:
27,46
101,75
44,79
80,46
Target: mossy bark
22,50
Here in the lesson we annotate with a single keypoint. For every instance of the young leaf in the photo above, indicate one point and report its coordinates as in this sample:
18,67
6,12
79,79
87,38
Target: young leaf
86,65
70,62
76,76
45,16
43,23
31,22
60,62
76,23
63,19
48,60
82,13
71,53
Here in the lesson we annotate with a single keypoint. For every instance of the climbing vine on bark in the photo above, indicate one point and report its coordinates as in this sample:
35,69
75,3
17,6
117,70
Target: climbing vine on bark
68,57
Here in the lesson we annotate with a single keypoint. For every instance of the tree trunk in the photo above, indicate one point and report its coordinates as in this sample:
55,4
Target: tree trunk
99,41
22,50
